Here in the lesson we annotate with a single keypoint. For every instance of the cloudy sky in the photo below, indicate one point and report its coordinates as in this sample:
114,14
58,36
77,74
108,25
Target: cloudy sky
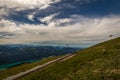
77,22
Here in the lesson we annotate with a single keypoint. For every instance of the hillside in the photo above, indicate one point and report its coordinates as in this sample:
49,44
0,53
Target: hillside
100,62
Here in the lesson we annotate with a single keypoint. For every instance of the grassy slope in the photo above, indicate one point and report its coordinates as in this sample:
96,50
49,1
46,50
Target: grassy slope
100,62
23,67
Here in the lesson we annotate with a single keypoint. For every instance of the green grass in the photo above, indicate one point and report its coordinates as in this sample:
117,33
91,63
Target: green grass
23,67
100,62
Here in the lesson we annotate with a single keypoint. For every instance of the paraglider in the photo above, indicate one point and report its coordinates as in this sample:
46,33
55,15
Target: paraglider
111,35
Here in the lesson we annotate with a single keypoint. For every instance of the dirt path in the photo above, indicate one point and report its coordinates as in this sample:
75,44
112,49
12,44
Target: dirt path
68,57
21,74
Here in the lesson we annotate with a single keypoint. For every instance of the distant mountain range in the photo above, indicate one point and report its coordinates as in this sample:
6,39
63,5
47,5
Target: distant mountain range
17,53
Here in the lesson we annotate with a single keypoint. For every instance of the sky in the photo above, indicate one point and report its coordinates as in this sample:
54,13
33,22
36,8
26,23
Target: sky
61,22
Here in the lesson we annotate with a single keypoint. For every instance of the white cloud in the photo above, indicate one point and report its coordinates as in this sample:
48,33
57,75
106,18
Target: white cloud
49,18
19,5
26,3
31,16
83,30
54,22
